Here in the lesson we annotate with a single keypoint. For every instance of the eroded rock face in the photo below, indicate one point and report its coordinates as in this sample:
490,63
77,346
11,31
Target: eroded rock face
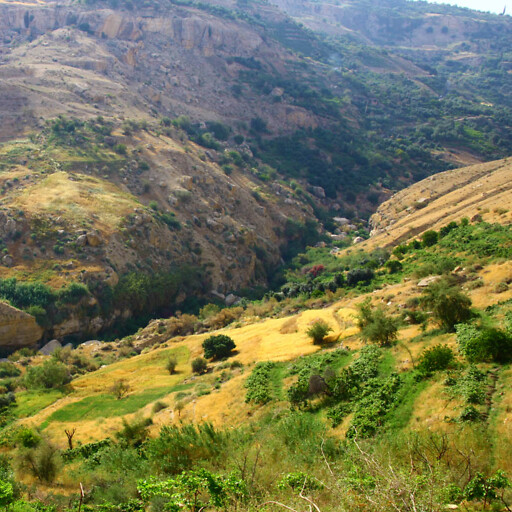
17,329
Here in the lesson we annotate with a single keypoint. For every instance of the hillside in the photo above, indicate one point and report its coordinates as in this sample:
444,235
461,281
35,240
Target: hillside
405,388
194,148
481,190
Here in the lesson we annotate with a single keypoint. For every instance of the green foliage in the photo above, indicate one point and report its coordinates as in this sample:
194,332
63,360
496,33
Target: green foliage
193,490
134,433
120,389
179,448
27,438
318,331
50,375
487,489
258,384
6,494
7,369
299,481
448,304
218,346
429,238
376,326
199,365
470,385
436,358
486,344
43,462
171,364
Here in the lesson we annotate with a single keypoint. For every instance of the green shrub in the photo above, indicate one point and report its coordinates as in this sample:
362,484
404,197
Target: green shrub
429,238
218,346
171,364
42,462
376,326
433,359
485,344
51,374
27,437
448,304
318,331
7,369
258,383
199,365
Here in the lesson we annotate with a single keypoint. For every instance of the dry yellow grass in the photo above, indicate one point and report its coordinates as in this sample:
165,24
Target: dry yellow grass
77,198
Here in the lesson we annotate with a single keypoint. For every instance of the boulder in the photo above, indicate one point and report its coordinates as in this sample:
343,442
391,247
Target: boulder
428,281
17,329
94,239
50,348
231,300
318,192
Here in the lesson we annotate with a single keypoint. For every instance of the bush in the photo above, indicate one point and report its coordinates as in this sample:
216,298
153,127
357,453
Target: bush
7,369
484,345
51,374
439,357
318,331
42,462
258,383
359,275
449,305
394,266
171,364
218,346
199,365
375,325
120,389
429,238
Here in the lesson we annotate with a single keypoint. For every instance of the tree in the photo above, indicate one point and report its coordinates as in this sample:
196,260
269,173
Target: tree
429,238
376,326
171,364
120,389
199,365
218,346
448,304
318,331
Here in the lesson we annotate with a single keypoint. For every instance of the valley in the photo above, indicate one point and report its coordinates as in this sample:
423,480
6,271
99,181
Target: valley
255,255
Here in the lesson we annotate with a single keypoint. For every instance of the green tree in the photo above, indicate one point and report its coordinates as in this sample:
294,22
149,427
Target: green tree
448,304
218,346
375,325
429,238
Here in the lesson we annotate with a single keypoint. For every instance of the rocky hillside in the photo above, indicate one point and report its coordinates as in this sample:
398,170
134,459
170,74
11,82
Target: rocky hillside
157,155
477,192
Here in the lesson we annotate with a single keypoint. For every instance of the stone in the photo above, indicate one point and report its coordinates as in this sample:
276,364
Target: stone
81,241
342,221
17,329
7,261
428,281
231,299
50,348
214,226
94,239
358,240
318,192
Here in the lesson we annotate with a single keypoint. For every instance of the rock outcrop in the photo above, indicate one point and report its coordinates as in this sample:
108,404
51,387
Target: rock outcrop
17,329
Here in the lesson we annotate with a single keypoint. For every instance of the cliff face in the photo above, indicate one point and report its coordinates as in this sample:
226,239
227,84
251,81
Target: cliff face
17,329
